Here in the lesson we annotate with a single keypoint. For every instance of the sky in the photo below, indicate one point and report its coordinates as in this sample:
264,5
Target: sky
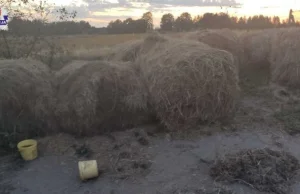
100,12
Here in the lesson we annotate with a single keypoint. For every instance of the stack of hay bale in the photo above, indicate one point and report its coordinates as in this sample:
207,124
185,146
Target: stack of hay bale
180,82
186,82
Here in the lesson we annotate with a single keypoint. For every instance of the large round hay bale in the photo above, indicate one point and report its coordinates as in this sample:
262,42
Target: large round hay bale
95,97
257,47
224,39
26,99
285,58
188,82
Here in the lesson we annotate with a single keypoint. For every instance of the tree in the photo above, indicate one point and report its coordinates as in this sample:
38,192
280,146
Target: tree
127,26
167,22
30,18
184,22
207,21
149,20
141,26
276,21
259,22
242,23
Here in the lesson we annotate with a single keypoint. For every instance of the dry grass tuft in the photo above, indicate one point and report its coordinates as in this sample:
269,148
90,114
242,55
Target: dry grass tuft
266,170
187,82
93,97
26,99
285,57
224,39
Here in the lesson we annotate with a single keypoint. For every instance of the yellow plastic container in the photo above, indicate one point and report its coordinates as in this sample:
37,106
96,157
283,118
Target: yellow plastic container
88,169
28,149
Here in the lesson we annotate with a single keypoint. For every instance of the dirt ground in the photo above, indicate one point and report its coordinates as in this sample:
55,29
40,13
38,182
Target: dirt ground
147,161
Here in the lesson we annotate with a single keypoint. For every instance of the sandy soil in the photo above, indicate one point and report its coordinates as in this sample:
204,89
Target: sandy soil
144,161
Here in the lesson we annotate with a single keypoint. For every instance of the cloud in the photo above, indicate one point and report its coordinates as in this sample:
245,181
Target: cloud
199,3
107,10
105,5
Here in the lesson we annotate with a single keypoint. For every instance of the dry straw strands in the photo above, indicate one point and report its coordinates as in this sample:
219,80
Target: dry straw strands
263,169
92,98
187,82
285,57
26,97
224,39
257,47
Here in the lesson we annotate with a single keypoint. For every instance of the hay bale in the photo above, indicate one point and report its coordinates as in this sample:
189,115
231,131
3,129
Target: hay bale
257,47
187,82
26,99
127,51
285,57
224,39
68,70
93,98
263,169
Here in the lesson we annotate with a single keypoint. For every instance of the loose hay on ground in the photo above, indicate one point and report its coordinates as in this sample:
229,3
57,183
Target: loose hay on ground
93,98
26,100
265,170
187,82
285,57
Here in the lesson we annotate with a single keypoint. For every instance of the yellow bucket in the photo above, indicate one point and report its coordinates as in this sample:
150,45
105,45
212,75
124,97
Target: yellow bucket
88,169
28,149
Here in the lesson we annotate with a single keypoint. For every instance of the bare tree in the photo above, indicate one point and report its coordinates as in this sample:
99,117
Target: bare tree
37,45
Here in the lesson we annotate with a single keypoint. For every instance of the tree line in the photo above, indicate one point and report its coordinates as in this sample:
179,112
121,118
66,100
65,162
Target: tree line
185,22
23,27
168,23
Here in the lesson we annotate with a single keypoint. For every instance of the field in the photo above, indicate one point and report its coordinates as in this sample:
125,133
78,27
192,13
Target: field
213,112
95,41
92,41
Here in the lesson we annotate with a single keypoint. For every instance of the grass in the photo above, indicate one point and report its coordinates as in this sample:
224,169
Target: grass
290,119
92,41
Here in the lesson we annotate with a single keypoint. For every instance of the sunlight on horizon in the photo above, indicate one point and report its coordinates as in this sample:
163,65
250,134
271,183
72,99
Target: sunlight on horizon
249,7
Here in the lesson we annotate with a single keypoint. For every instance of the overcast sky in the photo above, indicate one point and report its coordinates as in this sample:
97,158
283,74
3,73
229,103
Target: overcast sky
100,12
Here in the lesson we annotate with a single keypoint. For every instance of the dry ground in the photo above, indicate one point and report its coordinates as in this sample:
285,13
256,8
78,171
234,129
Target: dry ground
148,160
